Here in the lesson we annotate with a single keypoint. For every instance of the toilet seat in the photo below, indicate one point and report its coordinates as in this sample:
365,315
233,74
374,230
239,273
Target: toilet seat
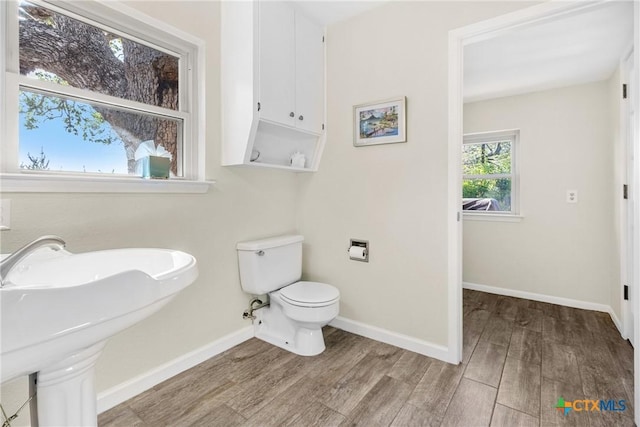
310,294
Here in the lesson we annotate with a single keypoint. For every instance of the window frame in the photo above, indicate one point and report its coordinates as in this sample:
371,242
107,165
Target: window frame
513,136
136,26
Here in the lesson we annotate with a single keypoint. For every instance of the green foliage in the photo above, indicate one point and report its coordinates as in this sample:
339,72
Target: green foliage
79,119
483,161
37,163
476,188
486,159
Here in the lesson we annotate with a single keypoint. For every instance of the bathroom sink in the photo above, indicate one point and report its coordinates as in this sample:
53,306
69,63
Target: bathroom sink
55,305
56,302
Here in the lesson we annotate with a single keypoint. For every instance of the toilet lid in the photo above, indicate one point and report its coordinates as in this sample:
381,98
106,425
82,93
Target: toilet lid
309,293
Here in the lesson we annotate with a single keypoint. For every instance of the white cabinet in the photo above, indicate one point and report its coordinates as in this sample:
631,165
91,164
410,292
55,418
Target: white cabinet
273,93
291,67
277,63
309,82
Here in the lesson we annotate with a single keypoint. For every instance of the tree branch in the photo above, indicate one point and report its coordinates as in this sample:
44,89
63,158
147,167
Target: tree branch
76,52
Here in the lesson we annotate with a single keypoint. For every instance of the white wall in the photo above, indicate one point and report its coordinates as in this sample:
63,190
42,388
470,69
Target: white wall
244,204
558,249
392,195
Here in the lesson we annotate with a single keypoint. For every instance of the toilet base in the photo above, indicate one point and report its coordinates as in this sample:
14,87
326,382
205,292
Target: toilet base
307,343
272,326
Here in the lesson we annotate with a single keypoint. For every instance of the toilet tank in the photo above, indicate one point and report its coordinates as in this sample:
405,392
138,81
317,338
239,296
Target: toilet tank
269,264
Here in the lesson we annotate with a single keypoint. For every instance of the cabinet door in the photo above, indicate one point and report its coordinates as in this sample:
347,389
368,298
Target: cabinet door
277,66
309,63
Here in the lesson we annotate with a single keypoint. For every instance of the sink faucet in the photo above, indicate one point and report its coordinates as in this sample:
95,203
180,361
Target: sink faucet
7,264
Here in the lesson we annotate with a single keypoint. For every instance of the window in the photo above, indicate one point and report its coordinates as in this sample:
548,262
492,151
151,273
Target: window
87,85
489,182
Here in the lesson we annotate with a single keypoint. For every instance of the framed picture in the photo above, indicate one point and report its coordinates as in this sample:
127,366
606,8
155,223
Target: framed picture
382,122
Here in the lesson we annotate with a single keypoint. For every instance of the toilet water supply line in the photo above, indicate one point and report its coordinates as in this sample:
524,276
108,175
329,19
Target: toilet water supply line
32,391
248,313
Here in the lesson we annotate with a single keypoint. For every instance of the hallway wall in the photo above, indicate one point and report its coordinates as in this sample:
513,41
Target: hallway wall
558,249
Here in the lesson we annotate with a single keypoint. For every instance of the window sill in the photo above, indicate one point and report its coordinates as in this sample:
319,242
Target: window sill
491,217
40,183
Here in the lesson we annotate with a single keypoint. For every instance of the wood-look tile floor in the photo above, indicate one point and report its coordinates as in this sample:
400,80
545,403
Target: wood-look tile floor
520,357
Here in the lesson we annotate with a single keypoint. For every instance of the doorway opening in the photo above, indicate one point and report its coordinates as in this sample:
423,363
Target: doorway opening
490,30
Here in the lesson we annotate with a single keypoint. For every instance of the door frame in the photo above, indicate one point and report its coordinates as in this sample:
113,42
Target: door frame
484,30
626,207
635,189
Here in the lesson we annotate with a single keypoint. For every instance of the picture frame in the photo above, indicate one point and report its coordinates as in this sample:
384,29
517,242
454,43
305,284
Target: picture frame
380,122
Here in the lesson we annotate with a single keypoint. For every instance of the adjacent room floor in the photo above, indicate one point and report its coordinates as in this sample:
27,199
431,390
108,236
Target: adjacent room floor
520,358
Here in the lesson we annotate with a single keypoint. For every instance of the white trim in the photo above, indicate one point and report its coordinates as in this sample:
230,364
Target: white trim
11,44
504,24
454,198
488,175
122,392
115,14
393,338
468,216
3,67
617,322
9,130
568,302
635,189
195,158
625,218
491,136
69,92
64,183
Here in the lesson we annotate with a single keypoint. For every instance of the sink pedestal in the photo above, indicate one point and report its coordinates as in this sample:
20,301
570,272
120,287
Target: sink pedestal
66,391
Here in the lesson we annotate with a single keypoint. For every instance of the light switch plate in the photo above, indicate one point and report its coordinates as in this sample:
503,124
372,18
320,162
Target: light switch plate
572,196
5,214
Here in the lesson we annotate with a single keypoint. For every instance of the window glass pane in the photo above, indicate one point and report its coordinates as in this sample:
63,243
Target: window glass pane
486,158
66,51
486,194
60,134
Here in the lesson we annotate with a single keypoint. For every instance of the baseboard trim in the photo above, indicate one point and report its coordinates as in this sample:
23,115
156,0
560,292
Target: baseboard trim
130,388
550,299
399,340
617,322
586,305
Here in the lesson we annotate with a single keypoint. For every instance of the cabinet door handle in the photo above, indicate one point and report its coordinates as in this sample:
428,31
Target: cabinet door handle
301,118
291,114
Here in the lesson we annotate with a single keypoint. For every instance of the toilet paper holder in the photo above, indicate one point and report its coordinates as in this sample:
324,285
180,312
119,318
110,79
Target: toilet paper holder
362,254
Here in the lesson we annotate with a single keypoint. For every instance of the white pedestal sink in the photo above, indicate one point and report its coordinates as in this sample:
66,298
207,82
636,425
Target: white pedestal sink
58,309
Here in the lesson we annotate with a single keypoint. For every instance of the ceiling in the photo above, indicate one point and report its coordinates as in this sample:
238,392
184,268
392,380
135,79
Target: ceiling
329,12
581,48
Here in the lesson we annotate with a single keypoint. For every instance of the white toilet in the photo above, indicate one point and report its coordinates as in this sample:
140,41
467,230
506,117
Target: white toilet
297,310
